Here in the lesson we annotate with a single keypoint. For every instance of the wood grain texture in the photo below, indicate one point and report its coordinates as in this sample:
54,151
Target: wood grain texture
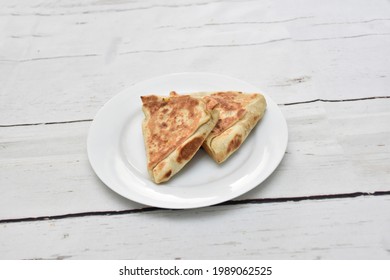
333,149
62,62
327,229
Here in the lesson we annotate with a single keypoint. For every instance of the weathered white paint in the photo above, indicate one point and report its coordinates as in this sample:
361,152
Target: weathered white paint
333,148
324,229
62,62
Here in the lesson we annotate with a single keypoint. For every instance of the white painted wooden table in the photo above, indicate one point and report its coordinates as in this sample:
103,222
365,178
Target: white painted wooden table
326,63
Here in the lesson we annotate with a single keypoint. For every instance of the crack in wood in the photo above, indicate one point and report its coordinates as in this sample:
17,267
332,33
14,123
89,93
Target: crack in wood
206,46
351,22
51,57
334,100
237,23
196,47
45,123
232,202
147,51
342,37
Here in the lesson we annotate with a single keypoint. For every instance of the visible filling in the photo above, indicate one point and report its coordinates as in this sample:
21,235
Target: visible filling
190,149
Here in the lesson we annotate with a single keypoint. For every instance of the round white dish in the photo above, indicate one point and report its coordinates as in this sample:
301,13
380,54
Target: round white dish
117,154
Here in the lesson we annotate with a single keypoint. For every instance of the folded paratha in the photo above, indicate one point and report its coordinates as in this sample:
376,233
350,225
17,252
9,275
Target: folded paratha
238,114
174,129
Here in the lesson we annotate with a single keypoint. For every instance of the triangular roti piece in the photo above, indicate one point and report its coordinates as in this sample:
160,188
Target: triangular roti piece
238,115
174,129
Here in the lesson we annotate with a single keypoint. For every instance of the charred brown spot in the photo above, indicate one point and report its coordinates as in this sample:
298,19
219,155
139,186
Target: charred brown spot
189,149
168,174
211,103
234,143
226,103
240,113
153,107
149,98
231,109
225,123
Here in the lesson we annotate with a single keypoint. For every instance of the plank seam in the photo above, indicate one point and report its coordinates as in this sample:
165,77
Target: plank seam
115,10
281,104
232,202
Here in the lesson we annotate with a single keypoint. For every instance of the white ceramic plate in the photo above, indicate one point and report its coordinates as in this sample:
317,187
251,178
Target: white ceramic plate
117,154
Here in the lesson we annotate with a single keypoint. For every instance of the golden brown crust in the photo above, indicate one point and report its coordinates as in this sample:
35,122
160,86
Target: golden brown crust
238,114
174,128
171,121
231,106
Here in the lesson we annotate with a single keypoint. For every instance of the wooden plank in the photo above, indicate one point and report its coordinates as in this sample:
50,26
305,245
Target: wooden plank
349,228
62,62
333,148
